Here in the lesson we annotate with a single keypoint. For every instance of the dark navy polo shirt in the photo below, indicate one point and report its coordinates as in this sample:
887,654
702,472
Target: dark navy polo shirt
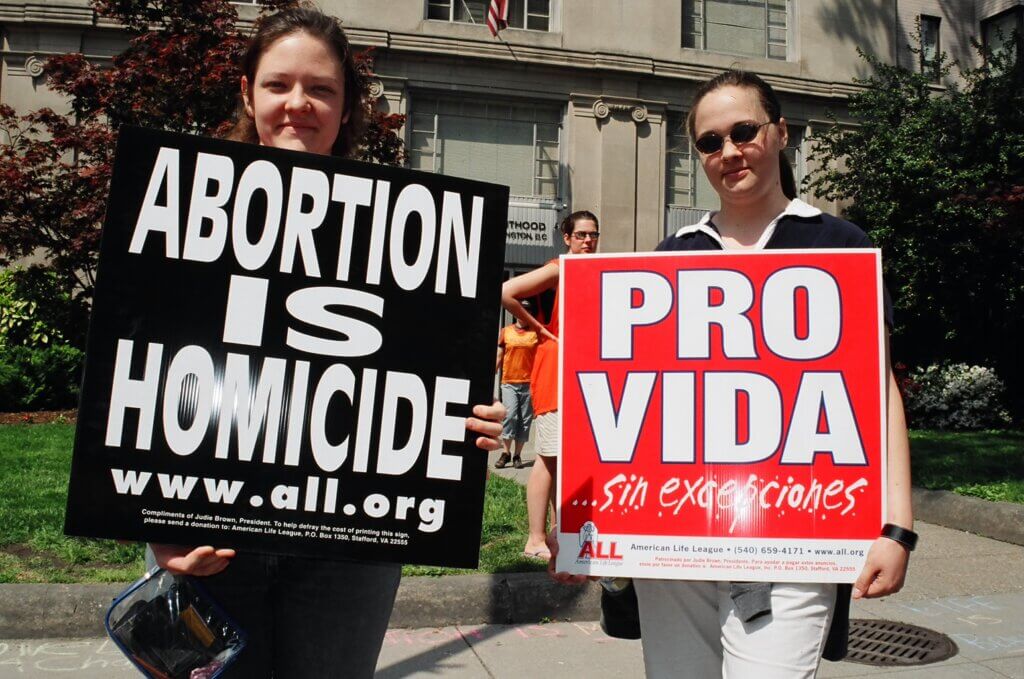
792,231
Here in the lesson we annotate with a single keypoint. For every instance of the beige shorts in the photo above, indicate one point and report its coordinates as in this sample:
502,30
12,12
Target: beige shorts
545,428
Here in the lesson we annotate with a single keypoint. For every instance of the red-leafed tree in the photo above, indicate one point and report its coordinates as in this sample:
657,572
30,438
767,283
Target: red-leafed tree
179,72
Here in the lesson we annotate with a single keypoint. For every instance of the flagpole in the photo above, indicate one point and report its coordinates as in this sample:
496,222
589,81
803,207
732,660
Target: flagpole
514,57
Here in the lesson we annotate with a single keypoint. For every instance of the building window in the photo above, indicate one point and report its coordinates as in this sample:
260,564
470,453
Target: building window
506,143
997,33
930,47
688,193
750,28
532,15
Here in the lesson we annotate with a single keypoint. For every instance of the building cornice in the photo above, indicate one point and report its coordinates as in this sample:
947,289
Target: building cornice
588,61
79,13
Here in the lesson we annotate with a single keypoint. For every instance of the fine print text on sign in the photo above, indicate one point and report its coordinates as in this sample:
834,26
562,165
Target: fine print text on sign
722,415
283,350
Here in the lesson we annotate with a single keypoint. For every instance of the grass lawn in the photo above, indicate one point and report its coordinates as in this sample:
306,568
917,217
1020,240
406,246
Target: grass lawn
986,464
34,464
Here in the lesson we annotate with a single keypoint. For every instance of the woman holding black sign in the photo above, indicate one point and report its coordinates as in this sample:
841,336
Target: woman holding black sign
304,617
764,630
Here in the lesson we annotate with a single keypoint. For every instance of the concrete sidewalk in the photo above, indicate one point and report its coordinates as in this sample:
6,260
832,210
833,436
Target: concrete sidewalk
991,642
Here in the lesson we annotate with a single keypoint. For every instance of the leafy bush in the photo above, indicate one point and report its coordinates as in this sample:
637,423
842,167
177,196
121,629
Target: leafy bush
936,178
36,310
41,326
39,378
954,396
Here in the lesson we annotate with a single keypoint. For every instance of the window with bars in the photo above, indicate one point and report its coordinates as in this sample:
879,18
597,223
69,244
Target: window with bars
532,15
686,186
750,28
516,144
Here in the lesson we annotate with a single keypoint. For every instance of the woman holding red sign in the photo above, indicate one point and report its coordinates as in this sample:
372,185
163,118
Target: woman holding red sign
580,233
766,630
304,617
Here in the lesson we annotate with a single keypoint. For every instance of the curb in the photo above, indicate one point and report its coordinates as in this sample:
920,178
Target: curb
505,598
46,611
70,611
997,520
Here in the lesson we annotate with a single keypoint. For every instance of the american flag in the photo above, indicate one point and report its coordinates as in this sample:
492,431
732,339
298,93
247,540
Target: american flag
497,16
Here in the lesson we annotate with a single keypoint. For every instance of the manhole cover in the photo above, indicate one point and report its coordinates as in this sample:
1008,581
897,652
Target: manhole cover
891,644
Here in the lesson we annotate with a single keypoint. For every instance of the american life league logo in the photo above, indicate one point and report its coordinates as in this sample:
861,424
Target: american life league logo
283,351
591,546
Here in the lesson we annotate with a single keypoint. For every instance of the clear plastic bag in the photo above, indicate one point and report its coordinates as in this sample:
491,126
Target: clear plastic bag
170,628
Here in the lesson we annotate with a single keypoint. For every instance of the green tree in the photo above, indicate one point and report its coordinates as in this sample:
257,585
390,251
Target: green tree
936,177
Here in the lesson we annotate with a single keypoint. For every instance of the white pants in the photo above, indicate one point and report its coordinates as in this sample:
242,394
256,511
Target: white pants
690,629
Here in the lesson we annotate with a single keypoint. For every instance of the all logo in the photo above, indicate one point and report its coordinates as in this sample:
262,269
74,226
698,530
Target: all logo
593,548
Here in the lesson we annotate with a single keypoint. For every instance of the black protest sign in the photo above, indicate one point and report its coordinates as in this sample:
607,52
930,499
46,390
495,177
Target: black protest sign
283,351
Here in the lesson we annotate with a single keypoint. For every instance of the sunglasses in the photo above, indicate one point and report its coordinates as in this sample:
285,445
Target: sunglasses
741,133
584,235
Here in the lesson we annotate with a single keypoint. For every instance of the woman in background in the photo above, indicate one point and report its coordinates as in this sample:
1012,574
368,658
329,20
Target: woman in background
580,233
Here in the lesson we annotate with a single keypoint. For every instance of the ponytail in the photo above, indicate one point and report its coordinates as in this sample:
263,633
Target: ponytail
786,176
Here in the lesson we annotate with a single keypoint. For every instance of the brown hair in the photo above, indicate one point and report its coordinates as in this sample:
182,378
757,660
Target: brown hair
569,223
769,102
327,29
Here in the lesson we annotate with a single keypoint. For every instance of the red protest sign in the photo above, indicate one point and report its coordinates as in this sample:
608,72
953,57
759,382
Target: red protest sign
722,414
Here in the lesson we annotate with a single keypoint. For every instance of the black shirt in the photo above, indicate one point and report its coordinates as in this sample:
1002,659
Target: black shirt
792,231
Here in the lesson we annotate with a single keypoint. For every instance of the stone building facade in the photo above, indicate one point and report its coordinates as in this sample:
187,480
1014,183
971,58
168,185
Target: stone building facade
579,103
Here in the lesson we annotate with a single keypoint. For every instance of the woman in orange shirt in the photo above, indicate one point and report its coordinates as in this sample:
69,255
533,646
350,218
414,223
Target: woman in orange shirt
580,233
516,348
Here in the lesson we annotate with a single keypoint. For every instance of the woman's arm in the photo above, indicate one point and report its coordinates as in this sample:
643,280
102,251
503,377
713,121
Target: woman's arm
527,285
886,565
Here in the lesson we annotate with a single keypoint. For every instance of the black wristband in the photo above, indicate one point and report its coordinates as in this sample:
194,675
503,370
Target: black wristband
907,538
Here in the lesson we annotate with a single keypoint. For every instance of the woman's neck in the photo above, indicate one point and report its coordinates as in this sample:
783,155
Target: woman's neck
745,223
